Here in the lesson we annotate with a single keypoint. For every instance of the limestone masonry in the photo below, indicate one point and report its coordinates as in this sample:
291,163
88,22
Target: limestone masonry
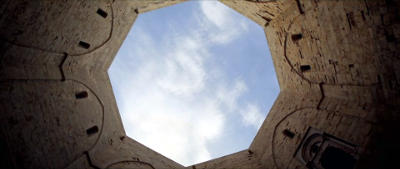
337,62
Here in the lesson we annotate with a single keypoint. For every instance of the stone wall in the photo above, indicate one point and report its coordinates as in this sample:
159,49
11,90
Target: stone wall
336,66
58,108
336,63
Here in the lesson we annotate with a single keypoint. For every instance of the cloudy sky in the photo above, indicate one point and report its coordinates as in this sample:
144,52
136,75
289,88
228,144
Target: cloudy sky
194,81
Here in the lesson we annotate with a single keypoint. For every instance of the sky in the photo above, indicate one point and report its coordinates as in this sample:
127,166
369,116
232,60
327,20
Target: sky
194,81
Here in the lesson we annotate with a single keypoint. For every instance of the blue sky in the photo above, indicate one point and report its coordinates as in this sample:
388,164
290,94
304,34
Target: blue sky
194,81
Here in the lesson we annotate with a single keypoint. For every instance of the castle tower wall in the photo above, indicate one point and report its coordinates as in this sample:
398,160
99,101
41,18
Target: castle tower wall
336,63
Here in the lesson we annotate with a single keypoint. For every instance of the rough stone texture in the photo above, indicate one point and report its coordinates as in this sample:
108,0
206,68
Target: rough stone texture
336,62
48,122
148,5
242,159
260,11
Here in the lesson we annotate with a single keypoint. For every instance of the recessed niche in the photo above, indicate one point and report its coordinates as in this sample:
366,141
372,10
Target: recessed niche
84,44
81,95
102,13
92,130
305,68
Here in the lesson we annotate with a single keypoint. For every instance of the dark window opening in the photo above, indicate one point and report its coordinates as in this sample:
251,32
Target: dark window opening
297,37
305,68
84,45
335,158
288,133
102,13
81,95
92,130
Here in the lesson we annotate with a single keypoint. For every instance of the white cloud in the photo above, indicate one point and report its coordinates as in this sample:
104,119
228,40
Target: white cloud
216,13
169,102
183,69
230,96
219,16
252,116
163,101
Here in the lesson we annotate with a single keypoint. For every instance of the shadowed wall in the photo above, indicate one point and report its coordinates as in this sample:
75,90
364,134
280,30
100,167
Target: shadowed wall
336,62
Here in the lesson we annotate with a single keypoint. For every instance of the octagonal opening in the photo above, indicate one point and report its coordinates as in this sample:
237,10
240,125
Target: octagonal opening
194,81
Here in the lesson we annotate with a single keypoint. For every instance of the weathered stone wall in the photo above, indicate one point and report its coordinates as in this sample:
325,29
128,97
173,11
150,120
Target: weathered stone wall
148,5
262,12
336,63
58,108
336,66
241,159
